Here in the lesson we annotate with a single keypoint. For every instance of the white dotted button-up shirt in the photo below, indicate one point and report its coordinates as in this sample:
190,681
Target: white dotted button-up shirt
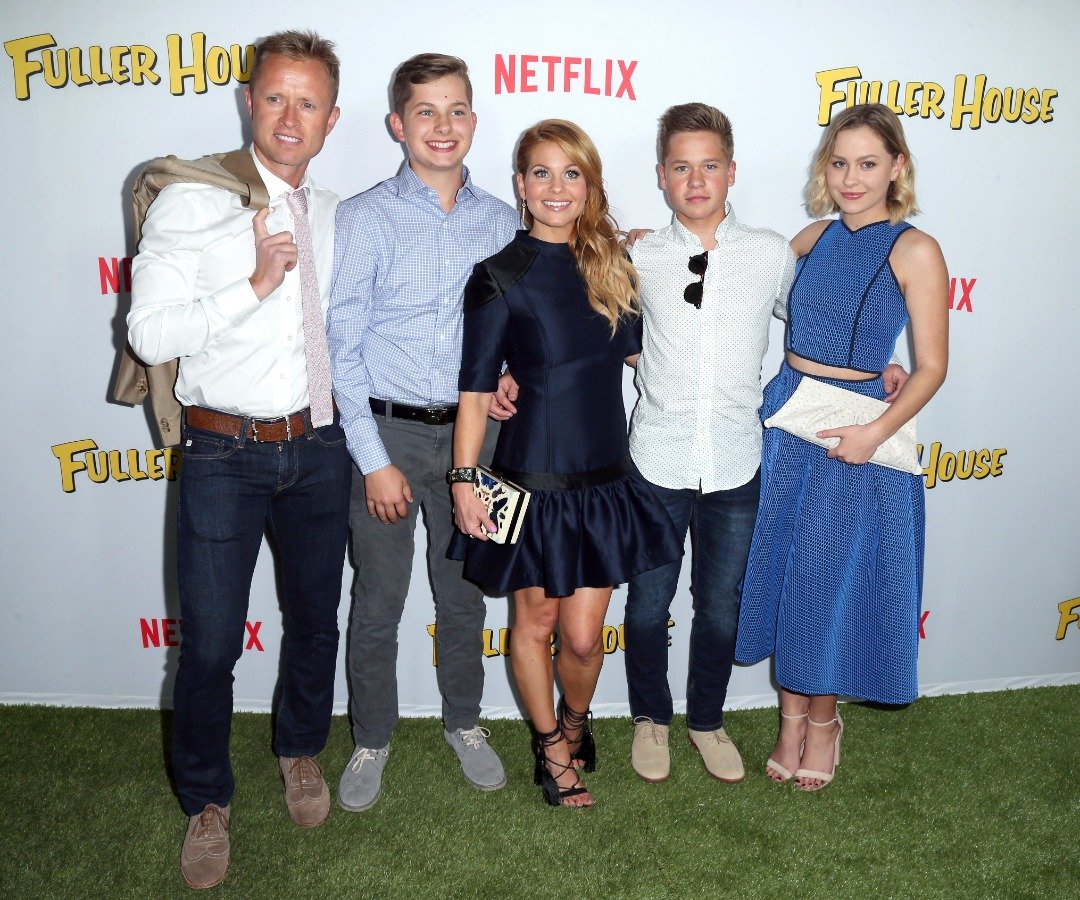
696,422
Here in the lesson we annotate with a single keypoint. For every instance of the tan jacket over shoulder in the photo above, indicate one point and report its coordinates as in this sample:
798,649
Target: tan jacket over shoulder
234,172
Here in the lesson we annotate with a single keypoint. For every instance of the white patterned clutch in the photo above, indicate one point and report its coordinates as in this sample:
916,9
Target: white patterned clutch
816,406
506,503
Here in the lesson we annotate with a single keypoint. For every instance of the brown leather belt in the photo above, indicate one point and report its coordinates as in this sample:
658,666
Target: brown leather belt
270,431
429,415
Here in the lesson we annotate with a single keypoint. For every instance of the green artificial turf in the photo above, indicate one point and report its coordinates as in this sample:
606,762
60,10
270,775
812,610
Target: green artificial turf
965,796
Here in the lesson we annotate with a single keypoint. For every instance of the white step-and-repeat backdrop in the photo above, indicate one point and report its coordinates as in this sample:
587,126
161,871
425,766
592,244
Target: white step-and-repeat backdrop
988,94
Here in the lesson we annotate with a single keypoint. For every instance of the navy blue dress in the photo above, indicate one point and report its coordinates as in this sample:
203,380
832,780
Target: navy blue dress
833,585
592,521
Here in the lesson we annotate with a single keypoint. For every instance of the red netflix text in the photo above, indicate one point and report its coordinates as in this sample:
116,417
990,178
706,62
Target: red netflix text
528,73
114,274
166,633
966,285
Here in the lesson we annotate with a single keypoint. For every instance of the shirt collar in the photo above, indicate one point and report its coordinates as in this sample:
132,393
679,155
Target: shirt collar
686,237
411,183
275,186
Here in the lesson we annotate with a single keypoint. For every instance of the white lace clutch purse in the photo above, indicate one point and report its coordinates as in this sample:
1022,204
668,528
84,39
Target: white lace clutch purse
506,503
816,406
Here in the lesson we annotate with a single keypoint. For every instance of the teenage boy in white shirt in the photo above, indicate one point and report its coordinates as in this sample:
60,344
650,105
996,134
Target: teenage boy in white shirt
709,287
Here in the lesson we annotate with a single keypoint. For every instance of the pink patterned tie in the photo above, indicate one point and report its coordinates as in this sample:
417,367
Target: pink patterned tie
316,355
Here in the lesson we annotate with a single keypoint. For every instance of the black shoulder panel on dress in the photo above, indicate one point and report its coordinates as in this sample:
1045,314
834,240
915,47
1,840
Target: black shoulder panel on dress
497,274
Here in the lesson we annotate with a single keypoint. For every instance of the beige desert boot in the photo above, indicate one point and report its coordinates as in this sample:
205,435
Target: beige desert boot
650,755
720,755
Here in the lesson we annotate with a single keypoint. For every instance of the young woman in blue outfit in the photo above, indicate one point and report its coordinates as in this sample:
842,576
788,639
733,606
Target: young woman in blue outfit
834,580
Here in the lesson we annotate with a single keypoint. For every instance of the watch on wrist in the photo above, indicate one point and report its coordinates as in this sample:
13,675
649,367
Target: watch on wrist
461,474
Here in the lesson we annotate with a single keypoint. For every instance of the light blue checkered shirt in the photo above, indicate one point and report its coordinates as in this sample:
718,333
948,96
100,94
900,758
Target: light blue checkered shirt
394,322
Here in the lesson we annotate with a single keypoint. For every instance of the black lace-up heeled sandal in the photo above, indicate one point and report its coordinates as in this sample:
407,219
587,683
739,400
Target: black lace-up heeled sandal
583,750
554,795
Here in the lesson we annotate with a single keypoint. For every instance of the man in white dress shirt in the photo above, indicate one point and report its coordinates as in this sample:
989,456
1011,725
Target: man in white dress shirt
709,288
240,299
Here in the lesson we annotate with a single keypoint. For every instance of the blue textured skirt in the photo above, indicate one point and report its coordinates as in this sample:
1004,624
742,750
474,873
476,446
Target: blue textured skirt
595,536
833,585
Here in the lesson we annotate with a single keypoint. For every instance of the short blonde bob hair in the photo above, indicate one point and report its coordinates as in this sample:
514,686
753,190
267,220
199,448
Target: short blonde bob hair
886,125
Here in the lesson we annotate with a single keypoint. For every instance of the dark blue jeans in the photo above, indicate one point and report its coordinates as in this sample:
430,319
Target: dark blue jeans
721,524
231,491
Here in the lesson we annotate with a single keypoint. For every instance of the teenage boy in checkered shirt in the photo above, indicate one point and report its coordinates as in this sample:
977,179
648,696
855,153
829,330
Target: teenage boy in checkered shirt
403,251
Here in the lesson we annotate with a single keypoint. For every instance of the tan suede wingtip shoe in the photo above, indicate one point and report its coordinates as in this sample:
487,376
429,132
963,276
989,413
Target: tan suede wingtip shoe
204,859
720,755
306,793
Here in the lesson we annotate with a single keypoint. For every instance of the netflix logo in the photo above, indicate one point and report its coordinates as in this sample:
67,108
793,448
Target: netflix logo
114,274
528,73
960,300
166,633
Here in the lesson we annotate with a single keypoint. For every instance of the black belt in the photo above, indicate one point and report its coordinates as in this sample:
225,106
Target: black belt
428,415
570,481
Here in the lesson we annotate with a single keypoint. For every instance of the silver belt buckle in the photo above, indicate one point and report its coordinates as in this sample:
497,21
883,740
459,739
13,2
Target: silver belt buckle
255,429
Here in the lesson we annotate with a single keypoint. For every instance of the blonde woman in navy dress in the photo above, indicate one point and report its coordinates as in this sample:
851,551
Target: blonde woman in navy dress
559,305
834,581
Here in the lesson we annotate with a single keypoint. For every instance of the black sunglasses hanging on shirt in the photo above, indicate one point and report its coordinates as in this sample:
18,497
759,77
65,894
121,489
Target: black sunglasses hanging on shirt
693,292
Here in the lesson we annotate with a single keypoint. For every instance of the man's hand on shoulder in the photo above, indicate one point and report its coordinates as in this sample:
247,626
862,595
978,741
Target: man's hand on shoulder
275,254
388,494
636,234
502,401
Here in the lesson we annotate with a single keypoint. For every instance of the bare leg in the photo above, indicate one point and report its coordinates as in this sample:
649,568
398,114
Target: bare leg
820,741
536,616
581,650
789,743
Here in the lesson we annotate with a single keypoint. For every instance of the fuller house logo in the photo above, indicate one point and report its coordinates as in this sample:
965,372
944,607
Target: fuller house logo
99,466
38,60
973,102
527,73
1068,612
945,465
497,643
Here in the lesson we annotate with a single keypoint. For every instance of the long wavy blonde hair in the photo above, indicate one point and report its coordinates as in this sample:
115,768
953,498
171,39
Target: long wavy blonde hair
609,275
886,125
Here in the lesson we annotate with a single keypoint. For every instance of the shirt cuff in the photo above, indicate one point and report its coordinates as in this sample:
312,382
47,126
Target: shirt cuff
234,302
365,445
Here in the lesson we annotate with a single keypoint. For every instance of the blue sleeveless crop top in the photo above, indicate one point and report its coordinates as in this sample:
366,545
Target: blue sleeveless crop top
845,308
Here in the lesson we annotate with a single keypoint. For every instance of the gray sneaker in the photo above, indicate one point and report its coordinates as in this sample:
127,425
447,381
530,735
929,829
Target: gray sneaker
479,762
361,781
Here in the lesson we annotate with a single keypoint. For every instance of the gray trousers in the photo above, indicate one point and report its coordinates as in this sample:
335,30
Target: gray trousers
383,557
